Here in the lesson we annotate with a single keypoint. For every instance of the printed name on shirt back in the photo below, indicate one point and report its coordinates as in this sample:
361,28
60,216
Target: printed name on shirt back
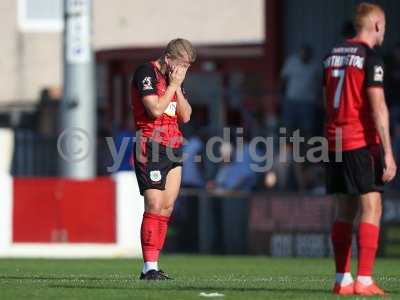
338,61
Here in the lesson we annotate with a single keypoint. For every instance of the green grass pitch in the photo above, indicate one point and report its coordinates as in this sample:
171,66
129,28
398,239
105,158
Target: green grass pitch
235,277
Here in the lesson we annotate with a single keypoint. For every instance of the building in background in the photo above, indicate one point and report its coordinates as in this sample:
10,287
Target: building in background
31,31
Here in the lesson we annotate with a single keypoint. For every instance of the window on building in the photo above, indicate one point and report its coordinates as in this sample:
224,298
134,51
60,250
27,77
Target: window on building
40,15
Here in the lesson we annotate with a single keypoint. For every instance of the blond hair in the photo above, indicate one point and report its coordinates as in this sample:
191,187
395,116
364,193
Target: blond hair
363,12
177,47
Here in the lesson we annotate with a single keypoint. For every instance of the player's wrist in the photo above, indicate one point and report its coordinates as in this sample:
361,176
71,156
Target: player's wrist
173,85
389,155
179,90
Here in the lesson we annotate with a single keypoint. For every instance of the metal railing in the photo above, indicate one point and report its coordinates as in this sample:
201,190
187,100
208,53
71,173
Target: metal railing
34,155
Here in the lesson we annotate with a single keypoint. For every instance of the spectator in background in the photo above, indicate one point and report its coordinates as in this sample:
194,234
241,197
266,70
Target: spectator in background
301,79
47,123
236,173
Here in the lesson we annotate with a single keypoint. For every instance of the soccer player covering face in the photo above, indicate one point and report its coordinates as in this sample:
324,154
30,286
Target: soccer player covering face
159,103
357,117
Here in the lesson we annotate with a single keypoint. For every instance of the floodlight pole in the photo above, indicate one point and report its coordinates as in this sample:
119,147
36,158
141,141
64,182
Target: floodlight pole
77,141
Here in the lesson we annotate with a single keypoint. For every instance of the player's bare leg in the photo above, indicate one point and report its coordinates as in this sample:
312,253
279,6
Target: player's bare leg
368,236
371,208
153,201
346,212
172,187
158,209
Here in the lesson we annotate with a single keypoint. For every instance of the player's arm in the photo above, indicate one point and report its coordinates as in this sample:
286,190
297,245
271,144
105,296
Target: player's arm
155,105
381,117
183,108
376,96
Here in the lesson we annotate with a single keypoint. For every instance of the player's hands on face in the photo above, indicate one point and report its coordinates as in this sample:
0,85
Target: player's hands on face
177,75
390,168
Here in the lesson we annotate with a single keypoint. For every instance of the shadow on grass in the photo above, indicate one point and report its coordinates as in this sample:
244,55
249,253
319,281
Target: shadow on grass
195,288
55,278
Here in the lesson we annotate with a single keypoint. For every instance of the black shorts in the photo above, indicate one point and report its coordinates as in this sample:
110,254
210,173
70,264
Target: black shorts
359,172
152,163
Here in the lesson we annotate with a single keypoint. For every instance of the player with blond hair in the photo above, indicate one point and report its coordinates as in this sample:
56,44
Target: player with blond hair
357,117
159,102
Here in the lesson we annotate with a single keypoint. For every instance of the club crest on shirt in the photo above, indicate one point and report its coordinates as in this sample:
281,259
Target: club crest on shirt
155,175
171,109
378,73
147,85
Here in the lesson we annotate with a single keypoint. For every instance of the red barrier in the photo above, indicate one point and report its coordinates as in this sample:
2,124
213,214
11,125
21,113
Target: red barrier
61,210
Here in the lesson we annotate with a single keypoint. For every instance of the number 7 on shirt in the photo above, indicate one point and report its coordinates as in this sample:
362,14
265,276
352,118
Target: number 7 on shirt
338,93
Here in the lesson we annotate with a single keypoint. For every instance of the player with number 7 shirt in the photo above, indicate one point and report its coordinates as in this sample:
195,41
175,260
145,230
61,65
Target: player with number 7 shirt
356,113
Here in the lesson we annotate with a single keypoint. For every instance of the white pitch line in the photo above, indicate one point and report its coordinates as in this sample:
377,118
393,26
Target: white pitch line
211,295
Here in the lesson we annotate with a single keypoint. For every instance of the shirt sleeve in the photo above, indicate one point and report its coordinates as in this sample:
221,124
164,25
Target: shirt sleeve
374,71
145,81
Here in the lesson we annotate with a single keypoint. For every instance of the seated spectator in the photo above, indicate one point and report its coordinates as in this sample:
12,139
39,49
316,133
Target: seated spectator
237,173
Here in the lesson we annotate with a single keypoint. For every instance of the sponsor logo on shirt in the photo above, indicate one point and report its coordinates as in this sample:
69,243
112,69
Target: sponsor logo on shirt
171,109
147,85
378,73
